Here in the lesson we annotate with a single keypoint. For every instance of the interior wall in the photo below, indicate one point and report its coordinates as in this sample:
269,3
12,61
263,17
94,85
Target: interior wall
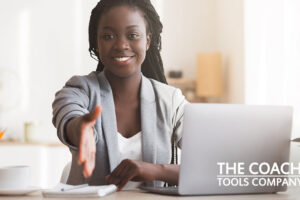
44,43
189,28
272,55
230,42
195,26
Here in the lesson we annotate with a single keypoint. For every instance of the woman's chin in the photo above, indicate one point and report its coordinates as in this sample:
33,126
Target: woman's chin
125,73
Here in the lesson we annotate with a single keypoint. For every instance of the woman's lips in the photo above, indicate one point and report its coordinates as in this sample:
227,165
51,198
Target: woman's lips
123,60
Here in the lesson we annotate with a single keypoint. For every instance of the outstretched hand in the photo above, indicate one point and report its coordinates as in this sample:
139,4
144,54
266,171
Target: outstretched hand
87,145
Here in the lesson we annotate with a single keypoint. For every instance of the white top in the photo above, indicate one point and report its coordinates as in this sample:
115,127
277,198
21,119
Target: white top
130,148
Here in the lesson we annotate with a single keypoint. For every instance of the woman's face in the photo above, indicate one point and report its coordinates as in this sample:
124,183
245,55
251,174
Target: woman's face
122,41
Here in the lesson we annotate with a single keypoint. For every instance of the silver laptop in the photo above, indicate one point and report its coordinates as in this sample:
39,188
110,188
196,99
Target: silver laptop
226,149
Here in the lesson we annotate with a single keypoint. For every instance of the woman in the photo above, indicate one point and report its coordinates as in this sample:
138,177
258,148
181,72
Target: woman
119,124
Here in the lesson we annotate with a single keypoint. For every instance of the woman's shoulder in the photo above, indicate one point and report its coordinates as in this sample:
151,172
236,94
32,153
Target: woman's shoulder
162,86
84,78
83,81
166,92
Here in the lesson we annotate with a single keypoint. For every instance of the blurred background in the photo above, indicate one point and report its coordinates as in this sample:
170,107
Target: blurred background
223,51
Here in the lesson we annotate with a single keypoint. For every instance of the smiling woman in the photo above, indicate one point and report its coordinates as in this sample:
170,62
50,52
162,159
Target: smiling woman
120,121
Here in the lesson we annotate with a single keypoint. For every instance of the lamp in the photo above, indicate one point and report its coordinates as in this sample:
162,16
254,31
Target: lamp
209,81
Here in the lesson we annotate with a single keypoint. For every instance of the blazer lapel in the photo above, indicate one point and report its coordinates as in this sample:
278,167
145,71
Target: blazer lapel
109,122
148,118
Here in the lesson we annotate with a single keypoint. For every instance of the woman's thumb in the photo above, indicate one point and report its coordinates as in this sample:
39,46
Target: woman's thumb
95,114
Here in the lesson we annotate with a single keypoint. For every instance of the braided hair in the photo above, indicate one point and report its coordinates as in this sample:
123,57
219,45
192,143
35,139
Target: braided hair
152,67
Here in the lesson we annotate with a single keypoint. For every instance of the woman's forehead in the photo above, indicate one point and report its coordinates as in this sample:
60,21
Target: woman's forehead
122,17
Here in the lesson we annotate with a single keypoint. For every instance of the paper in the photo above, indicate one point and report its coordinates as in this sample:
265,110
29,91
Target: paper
77,191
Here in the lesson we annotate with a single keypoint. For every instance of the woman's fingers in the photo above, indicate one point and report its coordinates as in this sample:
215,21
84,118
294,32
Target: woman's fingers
87,150
82,150
125,180
85,172
131,170
91,117
121,169
86,131
86,134
114,177
90,164
123,173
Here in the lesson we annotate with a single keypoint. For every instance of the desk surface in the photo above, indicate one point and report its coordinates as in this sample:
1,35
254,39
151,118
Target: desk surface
293,193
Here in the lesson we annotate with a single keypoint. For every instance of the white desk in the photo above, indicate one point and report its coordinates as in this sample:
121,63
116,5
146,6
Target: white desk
293,193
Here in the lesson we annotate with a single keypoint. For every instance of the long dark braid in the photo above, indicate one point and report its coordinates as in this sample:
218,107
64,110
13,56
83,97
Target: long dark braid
152,66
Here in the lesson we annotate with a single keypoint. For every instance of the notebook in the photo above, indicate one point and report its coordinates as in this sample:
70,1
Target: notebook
79,191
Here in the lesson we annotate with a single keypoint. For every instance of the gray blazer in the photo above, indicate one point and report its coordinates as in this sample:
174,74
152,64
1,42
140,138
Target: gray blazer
161,119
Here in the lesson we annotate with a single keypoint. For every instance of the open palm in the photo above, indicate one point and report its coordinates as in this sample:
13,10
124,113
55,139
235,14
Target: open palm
87,145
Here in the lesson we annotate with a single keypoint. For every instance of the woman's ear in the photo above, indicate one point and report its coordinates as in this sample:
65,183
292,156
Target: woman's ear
149,35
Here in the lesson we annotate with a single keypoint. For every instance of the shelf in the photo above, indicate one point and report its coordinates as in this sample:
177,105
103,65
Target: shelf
180,81
187,87
11,143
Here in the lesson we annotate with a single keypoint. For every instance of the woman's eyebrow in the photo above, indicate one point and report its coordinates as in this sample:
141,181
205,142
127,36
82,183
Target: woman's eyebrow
108,28
128,27
112,29
132,26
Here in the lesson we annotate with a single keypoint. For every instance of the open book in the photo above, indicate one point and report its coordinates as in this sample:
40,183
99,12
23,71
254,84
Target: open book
65,190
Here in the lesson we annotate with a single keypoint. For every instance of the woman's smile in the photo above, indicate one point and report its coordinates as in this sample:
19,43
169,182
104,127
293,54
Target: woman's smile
123,60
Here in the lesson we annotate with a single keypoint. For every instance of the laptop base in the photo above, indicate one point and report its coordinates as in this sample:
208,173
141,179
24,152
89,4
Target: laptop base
173,190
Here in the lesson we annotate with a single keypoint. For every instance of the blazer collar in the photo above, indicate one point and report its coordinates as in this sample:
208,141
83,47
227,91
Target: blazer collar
148,120
109,122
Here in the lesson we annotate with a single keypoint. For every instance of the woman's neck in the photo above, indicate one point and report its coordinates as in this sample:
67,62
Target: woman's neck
127,88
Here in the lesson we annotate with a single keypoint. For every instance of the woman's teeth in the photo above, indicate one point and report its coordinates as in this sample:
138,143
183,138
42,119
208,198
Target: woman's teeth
122,59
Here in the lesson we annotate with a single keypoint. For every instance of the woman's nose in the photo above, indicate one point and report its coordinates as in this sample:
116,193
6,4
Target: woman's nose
121,44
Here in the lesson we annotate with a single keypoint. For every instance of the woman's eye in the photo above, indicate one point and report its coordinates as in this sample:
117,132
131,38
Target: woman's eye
108,36
133,36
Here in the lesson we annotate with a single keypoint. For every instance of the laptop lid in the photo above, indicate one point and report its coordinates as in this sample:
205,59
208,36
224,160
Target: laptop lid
225,145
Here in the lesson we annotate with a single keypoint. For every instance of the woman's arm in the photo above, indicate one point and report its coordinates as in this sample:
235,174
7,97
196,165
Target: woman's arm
168,173
131,170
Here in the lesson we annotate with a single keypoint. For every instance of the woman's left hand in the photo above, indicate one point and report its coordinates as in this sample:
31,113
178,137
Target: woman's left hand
131,170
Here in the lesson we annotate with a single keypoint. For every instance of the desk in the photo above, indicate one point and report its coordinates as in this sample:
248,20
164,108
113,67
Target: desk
293,193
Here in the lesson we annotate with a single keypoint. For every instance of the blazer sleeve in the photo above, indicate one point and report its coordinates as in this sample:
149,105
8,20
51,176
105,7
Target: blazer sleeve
71,101
178,104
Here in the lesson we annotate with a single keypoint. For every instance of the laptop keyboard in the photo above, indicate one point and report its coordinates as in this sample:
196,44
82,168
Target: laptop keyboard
162,190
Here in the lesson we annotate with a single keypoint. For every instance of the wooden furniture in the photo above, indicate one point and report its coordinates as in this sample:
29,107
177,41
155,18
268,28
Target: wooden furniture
187,87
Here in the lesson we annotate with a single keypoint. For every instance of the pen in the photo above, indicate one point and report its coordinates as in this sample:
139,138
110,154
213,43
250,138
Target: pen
74,187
